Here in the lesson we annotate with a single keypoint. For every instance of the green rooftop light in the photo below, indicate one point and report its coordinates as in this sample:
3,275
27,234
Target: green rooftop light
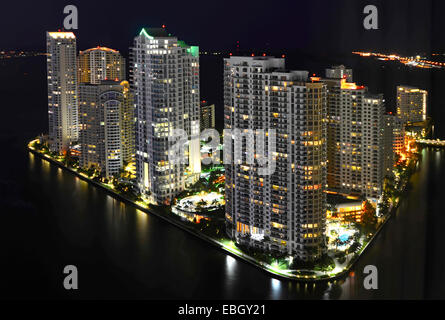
194,51
182,44
144,32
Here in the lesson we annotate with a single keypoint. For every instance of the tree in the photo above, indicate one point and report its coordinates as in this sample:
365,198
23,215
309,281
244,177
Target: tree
213,176
384,205
91,171
368,222
69,160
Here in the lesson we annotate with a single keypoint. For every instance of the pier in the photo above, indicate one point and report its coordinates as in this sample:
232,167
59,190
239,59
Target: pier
432,143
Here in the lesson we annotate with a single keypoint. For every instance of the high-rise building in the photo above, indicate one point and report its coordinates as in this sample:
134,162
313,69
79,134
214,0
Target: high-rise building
207,115
390,140
355,139
398,136
165,74
285,210
101,63
101,111
62,90
98,64
128,125
394,139
411,104
339,72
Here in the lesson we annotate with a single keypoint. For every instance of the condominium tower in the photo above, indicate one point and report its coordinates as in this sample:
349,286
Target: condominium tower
101,108
101,63
207,115
411,104
98,64
62,90
165,79
398,136
283,210
127,123
356,127
390,141
339,72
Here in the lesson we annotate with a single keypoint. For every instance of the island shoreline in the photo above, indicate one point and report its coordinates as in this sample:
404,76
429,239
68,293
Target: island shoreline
250,260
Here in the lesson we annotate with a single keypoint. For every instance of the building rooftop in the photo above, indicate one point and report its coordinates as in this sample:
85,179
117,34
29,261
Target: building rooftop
155,33
339,199
410,89
62,35
99,48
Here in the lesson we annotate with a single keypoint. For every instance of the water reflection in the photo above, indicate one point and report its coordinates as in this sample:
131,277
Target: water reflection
275,289
31,157
142,220
230,266
173,263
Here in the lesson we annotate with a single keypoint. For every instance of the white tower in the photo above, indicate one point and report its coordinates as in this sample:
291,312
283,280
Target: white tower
284,211
165,74
62,90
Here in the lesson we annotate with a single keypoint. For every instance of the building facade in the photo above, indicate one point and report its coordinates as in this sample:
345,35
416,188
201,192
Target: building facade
411,104
207,115
62,90
128,124
165,76
391,139
283,210
356,127
398,136
101,140
339,72
101,63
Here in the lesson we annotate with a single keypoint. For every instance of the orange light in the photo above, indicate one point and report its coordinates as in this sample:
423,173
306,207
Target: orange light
101,49
350,86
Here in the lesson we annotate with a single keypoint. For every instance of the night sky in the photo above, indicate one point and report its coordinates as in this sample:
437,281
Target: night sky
334,26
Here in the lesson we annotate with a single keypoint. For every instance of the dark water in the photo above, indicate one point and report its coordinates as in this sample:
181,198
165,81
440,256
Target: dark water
50,219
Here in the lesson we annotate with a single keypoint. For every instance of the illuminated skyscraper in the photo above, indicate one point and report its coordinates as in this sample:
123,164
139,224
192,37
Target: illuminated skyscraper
165,76
391,141
127,123
101,63
284,211
339,72
355,138
398,136
207,115
62,90
411,104
101,109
